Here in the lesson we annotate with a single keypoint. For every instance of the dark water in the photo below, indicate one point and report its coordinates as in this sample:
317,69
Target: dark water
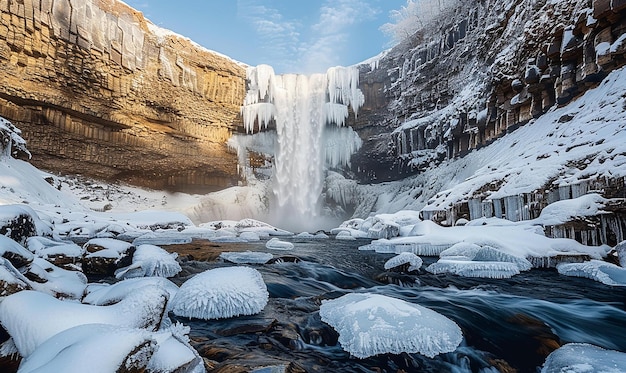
508,324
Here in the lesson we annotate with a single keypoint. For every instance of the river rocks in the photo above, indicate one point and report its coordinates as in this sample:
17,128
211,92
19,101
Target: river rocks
143,99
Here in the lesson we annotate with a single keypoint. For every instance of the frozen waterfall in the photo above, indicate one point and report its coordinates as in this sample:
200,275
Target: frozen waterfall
309,113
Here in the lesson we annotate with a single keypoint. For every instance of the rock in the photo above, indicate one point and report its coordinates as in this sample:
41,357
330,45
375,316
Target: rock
143,99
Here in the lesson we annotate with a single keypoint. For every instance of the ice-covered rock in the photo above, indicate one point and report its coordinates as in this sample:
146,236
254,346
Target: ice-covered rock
413,261
47,278
96,348
106,294
103,256
276,244
221,293
162,237
60,253
150,261
19,222
584,358
11,280
620,251
174,353
604,272
14,252
250,236
246,257
345,235
107,247
372,324
31,317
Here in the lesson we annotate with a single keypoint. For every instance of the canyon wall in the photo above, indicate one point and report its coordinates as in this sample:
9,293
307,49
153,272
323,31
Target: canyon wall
98,90
477,72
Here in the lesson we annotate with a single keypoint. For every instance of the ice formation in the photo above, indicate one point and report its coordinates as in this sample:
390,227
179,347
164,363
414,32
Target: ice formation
604,272
148,261
20,315
221,293
246,257
276,244
372,324
301,108
105,294
56,281
584,358
414,261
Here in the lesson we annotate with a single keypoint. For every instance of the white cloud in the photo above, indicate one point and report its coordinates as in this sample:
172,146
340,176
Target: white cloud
291,45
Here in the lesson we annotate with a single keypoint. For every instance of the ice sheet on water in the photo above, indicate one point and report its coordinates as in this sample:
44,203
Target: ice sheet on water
276,244
345,235
414,261
604,272
246,257
31,317
372,324
584,358
221,293
149,261
162,237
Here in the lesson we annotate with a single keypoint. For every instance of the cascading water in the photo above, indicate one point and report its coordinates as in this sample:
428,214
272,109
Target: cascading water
302,107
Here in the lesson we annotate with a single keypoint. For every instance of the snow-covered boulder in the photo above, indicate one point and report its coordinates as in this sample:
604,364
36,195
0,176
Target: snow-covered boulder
384,229
372,324
11,280
103,256
406,261
604,272
31,317
345,236
60,253
95,348
47,278
11,141
106,294
150,261
276,244
14,252
221,293
584,358
19,222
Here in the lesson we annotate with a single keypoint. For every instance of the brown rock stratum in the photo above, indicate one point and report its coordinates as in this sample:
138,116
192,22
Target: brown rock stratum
99,91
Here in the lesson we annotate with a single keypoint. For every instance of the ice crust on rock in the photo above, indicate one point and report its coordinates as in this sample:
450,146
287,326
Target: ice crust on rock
584,358
371,324
276,244
414,261
604,272
105,294
21,315
56,281
221,293
150,261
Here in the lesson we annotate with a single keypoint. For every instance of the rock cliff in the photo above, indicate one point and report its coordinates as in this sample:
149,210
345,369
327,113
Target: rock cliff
98,90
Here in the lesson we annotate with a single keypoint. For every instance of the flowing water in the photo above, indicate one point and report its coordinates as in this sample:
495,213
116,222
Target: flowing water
508,324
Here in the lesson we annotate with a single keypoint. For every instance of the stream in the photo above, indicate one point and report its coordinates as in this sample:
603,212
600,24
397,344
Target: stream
509,325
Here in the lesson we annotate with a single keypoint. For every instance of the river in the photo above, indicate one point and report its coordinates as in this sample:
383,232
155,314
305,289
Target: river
509,325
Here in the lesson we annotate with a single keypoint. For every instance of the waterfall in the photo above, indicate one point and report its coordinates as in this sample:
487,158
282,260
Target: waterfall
301,107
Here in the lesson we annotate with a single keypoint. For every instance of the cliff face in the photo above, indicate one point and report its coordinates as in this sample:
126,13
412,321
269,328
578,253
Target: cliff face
97,90
478,72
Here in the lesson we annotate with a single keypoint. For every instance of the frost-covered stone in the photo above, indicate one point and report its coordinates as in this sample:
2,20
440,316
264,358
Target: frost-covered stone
221,293
466,268
604,272
620,250
11,280
584,358
31,317
18,222
59,253
105,294
95,348
276,244
413,261
103,256
150,261
14,252
61,283
372,324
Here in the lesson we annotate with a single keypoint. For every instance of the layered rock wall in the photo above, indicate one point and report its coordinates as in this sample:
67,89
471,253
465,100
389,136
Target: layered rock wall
100,91
478,72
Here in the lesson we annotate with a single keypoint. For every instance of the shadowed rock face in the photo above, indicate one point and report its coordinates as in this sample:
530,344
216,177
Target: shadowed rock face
99,91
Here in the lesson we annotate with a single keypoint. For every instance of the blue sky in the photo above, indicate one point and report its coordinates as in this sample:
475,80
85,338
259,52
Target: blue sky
293,36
